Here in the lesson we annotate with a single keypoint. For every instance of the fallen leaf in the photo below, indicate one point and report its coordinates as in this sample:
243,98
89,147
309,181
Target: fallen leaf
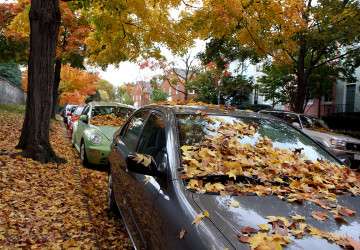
234,204
319,215
249,230
182,233
147,179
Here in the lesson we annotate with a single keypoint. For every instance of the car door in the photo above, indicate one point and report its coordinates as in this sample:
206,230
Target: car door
139,191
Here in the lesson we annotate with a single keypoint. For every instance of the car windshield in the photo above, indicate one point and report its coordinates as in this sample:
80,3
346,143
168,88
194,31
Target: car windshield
236,148
79,110
109,115
313,122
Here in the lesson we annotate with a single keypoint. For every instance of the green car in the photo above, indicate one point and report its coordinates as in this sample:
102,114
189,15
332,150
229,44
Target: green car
95,128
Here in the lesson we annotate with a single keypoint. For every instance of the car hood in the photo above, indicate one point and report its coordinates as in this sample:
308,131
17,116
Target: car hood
253,210
329,136
107,131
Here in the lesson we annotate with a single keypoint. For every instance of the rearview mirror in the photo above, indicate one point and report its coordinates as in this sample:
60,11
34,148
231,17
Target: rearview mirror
143,164
84,118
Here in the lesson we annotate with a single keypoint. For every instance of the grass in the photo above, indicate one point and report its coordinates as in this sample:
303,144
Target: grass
12,108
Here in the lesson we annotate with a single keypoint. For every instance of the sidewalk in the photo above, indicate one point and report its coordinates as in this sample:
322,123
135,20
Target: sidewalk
50,206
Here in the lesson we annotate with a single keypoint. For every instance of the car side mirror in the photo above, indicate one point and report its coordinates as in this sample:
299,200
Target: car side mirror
143,164
296,125
84,118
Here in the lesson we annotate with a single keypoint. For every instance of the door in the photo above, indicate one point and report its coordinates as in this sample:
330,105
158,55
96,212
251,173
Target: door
141,190
144,134
350,98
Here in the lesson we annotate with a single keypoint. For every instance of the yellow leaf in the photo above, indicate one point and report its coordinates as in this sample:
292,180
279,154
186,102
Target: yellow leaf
298,217
182,233
206,213
198,219
147,179
234,204
264,227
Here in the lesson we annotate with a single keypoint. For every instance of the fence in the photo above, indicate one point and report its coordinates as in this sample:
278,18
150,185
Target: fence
11,94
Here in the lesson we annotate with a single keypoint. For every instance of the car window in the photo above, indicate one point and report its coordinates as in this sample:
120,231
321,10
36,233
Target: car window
291,118
278,115
313,122
153,139
133,129
78,110
86,111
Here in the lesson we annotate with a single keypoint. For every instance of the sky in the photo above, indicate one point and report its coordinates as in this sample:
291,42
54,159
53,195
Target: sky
131,72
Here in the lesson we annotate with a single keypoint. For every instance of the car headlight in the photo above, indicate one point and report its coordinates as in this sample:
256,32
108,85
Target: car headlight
338,143
95,138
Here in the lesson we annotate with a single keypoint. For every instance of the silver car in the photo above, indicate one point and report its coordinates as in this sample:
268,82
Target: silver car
346,148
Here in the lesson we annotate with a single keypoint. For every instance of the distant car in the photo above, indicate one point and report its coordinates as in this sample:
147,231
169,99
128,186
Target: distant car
75,116
92,133
205,177
69,108
346,148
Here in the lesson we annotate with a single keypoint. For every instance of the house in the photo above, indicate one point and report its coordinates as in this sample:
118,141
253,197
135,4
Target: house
140,95
174,85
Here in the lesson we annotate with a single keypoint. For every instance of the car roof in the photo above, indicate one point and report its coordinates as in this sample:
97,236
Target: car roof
286,112
209,109
114,104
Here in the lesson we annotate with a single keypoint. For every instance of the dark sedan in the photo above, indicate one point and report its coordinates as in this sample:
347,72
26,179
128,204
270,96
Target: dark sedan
210,177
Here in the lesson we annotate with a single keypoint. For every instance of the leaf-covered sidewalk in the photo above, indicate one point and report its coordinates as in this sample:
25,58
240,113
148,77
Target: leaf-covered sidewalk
52,206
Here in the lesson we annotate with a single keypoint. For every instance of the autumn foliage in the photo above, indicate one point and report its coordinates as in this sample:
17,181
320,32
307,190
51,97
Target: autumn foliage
76,85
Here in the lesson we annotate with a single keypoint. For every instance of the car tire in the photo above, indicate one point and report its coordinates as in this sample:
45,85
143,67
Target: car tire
83,157
111,198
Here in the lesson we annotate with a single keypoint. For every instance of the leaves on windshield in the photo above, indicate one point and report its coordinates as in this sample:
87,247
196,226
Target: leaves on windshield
222,164
108,120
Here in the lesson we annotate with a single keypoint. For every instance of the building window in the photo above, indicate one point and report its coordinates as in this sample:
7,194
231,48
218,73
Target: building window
191,92
177,89
329,97
169,91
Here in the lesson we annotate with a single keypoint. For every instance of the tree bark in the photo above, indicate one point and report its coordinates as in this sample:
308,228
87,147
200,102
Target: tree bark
55,106
44,28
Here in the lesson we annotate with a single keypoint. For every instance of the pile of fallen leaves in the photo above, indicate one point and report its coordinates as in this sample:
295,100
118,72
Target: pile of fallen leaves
266,170
108,120
49,206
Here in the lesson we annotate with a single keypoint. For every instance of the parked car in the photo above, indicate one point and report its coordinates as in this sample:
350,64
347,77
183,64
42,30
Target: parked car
69,109
92,133
204,176
346,148
75,116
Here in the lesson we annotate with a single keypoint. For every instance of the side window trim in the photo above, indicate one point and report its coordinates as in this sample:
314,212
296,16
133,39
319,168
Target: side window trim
125,128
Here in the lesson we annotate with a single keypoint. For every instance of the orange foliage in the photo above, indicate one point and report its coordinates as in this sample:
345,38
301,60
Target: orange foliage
76,85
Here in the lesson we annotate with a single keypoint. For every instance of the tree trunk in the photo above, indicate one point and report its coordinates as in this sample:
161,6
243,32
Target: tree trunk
55,105
300,95
44,27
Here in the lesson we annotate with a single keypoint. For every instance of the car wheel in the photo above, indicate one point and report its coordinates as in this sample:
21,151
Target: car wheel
111,198
83,157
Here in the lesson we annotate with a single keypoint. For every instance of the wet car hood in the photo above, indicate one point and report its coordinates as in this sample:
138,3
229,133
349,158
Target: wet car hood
253,211
107,131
